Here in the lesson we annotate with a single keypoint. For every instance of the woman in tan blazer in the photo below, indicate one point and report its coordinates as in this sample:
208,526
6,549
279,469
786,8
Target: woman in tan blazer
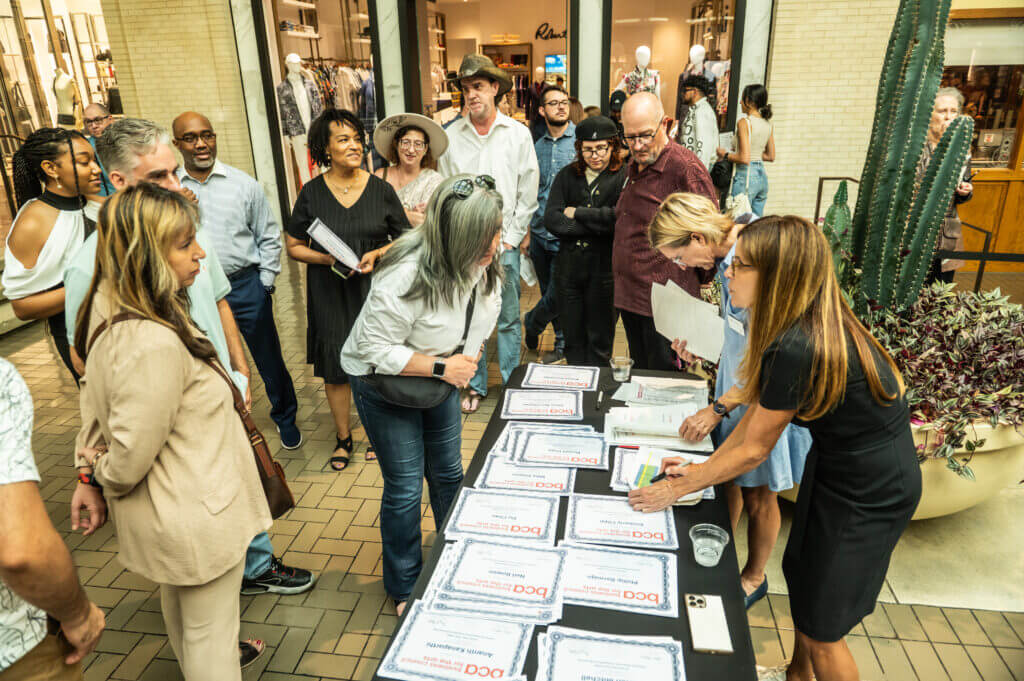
178,472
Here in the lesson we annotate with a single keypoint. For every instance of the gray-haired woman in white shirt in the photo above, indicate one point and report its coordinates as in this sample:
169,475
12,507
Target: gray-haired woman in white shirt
416,322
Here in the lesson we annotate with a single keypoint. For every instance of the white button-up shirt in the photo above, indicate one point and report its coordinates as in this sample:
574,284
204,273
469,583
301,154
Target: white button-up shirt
506,154
391,328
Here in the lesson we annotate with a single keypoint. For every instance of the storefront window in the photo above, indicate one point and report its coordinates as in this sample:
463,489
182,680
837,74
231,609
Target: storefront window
985,61
669,30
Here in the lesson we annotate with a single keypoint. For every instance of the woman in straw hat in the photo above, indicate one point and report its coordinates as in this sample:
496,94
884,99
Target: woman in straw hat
412,144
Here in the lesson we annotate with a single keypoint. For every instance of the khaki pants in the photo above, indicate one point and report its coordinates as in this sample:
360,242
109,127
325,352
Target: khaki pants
202,626
45,662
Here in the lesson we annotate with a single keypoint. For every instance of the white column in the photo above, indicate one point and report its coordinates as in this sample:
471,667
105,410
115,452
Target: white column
756,39
390,57
589,40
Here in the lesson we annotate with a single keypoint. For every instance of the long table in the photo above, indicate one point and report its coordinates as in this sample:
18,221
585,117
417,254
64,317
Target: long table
722,580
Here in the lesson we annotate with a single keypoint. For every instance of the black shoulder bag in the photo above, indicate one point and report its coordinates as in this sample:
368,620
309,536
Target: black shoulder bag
419,392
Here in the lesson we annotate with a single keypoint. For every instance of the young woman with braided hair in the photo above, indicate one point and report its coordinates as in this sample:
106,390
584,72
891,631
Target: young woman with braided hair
54,172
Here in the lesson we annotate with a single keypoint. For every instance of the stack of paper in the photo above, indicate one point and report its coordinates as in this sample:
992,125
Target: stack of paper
433,645
599,519
678,315
500,473
641,391
578,450
512,436
561,377
565,654
504,516
545,405
628,462
652,427
504,581
645,582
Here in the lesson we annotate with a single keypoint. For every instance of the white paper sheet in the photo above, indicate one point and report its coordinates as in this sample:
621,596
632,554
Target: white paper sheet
555,405
500,473
628,461
504,516
637,393
623,579
577,450
652,427
677,314
565,654
561,377
333,244
600,519
455,648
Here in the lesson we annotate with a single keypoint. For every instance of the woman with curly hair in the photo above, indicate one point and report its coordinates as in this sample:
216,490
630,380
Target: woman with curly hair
365,212
53,171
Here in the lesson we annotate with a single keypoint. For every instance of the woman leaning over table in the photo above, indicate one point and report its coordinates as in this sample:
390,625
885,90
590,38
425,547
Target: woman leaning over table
689,230
581,213
414,323
809,361
365,213
413,143
178,472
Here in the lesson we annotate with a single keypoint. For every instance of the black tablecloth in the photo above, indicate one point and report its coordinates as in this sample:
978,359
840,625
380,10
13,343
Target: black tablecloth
722,580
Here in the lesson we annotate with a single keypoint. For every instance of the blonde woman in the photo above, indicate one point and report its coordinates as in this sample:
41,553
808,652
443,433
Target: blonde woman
689,230
178,473
810,361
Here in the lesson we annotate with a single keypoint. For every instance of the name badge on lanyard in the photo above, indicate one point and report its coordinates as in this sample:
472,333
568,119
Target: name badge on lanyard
735,324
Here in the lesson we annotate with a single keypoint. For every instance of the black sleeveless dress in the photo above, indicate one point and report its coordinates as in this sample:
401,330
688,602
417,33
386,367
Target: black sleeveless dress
861,485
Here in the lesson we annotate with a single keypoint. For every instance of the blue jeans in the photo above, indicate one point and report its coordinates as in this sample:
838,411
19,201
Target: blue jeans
757,191
253,309
542,253
410,444
258,556
510,332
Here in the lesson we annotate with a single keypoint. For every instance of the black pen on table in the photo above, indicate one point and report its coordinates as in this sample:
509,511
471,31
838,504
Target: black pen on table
600,398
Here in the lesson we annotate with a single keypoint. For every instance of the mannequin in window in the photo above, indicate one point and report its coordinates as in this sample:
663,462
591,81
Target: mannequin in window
641,78
298,100
66,92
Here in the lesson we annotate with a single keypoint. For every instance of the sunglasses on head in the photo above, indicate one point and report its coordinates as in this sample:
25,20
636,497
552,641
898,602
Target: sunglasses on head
463,188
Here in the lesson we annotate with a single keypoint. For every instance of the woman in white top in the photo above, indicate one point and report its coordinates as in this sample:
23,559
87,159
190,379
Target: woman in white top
417,321
53,172
413,144
754,146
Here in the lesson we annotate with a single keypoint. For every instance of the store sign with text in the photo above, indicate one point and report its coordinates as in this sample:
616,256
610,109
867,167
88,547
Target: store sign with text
546,32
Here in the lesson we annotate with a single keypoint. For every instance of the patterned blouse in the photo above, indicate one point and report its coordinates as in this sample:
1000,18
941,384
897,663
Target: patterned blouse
635,81
22,626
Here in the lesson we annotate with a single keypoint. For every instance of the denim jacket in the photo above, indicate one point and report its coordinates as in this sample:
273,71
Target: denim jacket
552,156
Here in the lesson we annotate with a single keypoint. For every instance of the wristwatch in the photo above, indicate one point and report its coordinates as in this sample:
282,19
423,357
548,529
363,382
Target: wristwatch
719,408
438,370
88,479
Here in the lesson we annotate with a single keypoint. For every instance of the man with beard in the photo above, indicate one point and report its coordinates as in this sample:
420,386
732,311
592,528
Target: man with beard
556,148
236,216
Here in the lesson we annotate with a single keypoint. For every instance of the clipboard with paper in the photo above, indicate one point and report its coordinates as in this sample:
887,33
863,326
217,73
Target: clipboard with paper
336,247
677,314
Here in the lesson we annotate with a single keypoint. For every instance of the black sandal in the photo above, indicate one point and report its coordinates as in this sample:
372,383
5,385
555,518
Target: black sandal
345,444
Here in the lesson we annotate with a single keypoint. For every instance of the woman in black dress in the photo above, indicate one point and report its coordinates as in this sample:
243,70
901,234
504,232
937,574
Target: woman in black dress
365,213
811,362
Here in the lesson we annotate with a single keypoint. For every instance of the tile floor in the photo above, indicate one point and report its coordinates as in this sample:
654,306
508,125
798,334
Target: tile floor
339,629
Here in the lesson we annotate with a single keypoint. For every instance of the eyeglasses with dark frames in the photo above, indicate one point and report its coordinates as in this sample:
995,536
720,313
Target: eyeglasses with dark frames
192,138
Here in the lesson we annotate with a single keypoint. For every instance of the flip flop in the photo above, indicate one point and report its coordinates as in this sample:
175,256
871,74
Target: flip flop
756,595
371,455
345,445
250,650
471,402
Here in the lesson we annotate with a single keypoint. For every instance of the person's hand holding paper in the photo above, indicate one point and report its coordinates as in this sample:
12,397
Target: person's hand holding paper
678,315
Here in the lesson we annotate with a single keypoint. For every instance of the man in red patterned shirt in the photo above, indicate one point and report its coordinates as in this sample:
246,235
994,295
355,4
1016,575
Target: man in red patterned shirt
657,167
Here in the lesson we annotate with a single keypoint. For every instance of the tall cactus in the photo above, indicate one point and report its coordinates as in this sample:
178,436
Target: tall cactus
839,231
892,214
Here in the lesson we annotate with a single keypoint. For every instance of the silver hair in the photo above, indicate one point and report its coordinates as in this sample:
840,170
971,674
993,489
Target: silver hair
454,235
954,93
121,144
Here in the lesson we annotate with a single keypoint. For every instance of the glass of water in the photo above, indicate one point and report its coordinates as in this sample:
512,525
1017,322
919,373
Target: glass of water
621,367
708,543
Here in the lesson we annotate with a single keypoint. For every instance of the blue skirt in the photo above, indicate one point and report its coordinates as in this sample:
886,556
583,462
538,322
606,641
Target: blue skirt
784,466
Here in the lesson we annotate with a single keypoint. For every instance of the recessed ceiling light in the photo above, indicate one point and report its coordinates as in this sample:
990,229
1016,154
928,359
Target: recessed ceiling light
628,21
657,19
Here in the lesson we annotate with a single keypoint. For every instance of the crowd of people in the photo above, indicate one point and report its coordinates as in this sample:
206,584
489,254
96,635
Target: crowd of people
150,273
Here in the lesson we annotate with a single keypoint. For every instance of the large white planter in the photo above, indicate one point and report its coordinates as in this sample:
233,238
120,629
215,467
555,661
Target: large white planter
996,464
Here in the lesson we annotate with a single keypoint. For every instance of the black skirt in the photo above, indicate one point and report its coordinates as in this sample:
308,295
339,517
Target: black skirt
851,510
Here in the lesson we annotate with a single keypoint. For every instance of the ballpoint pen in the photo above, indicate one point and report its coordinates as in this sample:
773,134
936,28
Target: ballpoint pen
600,398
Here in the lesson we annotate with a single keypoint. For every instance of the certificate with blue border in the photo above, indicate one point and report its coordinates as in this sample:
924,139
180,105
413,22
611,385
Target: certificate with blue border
600,519
645,582
504,516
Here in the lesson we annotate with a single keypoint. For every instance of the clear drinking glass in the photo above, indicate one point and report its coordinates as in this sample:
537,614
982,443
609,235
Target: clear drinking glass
708,543
621,367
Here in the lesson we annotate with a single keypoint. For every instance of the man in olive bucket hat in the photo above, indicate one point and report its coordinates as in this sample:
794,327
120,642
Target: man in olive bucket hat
498,151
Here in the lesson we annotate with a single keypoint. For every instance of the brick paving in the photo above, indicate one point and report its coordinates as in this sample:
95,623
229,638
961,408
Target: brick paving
340,629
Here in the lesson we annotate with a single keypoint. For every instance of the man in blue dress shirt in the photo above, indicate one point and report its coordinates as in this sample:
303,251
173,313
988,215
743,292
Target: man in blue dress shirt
237,219
556,148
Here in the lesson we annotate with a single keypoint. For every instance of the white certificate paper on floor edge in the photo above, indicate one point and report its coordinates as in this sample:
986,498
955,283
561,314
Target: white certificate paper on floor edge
444,647
500,473
645,582
562,449
554,405
600,519
561,377
504,516
565,654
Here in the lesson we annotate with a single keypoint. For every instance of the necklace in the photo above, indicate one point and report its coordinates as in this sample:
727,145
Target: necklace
345,189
